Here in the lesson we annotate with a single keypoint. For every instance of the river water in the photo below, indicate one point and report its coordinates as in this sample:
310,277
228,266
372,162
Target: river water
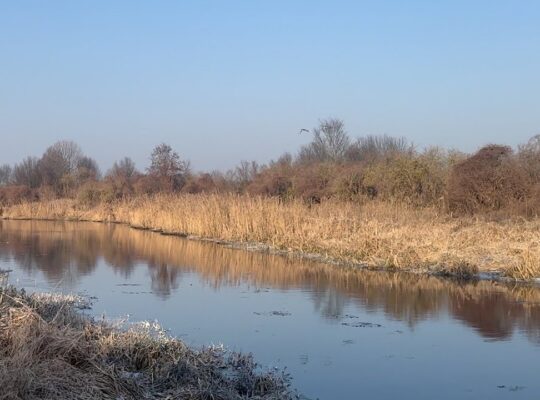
341,333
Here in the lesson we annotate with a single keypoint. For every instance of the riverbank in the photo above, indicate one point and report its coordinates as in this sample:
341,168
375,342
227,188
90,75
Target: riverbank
374,234
50,350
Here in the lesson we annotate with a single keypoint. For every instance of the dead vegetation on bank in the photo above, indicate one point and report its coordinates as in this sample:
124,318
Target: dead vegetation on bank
48,350
375,200
377,234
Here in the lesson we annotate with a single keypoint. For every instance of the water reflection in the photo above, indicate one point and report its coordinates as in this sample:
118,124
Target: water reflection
66,252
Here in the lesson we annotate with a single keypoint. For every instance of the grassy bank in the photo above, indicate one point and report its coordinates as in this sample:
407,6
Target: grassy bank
48,350
376,234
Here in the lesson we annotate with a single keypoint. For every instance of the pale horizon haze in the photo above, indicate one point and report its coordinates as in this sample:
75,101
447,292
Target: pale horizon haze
228,81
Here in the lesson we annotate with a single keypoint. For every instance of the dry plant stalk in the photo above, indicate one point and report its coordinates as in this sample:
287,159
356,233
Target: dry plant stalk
378,234
50,351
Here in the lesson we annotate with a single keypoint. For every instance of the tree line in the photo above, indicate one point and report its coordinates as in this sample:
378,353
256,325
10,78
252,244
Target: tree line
333,165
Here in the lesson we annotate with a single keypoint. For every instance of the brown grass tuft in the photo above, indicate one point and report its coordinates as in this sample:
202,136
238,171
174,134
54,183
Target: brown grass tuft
452,266
526,265
49,351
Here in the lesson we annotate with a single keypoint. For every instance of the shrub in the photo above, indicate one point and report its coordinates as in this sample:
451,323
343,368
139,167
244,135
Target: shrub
272,184
274,180
202,183
92,193
46,192
406,178
348,183
489,180
312,183
10,195
147,185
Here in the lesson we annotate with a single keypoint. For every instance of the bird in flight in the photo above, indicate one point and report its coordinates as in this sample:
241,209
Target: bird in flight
303,130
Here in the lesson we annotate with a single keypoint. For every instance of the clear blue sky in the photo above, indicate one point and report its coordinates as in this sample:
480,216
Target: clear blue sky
223,81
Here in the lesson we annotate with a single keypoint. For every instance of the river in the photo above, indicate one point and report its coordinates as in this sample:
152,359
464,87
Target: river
342,333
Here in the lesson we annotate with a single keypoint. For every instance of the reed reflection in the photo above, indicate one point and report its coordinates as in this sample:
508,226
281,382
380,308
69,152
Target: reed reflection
66,252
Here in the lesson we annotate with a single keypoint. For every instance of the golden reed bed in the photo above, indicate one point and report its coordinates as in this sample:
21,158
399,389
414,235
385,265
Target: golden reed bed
375,234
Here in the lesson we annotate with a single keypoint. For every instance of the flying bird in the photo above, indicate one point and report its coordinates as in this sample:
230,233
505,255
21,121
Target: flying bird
303,130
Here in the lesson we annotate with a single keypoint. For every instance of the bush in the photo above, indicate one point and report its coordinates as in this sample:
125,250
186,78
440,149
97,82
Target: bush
46,193
147,185
313,183
348,183
413,179
489,180
10,195
274,180
202,183
92,193
272,185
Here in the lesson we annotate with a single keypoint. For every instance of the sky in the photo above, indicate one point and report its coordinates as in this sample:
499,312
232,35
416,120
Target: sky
224,81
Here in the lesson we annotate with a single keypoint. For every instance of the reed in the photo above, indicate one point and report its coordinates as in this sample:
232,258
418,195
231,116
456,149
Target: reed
50,351
376,234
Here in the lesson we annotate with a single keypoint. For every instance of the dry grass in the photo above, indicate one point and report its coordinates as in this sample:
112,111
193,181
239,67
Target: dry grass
50,351
387,235
526,266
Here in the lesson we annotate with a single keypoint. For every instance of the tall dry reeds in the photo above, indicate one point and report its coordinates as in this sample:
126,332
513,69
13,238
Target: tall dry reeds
379,234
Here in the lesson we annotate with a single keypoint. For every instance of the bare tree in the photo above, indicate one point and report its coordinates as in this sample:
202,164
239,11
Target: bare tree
123,169
371,148
87,169
529,156
59,160
167,166
27,173
330,142
122,175
244,173
285,159
5,174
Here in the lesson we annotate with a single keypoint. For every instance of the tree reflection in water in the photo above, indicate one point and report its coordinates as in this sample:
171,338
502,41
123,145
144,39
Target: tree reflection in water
65,252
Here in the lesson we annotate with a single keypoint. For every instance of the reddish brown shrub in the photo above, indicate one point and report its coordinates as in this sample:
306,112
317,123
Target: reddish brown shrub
10,195
154,183
146,184
418,180
274,180
314,182
271,185
348,182
46,192
490,180
95,192
202,183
